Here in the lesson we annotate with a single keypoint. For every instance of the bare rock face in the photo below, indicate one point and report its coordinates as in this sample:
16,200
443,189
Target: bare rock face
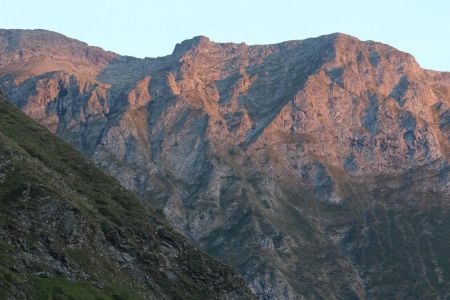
69,231
317,168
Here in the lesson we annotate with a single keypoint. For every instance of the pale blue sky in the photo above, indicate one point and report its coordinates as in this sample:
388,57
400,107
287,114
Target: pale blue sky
152,28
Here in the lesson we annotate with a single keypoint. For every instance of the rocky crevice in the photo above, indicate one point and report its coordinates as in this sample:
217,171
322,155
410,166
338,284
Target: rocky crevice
294,162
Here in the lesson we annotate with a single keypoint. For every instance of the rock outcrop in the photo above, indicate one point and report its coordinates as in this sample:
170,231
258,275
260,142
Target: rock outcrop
68,231
317,168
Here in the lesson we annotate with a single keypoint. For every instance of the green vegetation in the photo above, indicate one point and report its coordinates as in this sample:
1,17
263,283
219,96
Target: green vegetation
62,289
68,231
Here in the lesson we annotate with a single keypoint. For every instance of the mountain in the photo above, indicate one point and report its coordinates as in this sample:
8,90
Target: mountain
317,168
68,231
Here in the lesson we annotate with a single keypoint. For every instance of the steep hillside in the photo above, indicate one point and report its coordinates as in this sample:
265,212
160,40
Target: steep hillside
67,231
317,168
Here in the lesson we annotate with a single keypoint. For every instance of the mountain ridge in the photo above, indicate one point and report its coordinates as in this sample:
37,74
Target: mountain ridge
291,161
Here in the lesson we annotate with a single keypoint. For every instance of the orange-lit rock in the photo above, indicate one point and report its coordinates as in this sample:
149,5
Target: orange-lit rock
317,168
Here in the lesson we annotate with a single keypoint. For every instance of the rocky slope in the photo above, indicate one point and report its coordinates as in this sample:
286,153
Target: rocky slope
67,231
317,168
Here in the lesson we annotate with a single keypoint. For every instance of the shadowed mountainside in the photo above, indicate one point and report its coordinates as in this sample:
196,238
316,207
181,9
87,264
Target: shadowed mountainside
317,168
68,231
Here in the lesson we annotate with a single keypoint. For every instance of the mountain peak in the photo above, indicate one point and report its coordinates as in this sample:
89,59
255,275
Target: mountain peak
34,38
197,42
34,52
302,151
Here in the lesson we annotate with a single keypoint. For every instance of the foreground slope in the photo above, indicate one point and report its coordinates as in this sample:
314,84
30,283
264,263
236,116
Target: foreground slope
68,230
317,168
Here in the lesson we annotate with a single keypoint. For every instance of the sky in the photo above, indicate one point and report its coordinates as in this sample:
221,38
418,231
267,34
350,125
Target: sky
152,28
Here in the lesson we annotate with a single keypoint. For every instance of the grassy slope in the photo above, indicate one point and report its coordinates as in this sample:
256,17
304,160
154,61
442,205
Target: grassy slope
67,229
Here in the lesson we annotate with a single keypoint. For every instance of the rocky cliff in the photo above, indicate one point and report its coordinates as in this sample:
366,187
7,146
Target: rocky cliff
317,168
68,231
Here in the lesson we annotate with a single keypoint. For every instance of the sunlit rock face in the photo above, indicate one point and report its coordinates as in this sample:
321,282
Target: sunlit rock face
317,168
